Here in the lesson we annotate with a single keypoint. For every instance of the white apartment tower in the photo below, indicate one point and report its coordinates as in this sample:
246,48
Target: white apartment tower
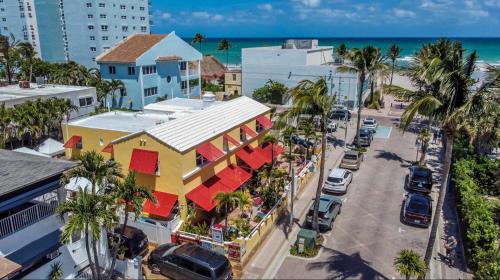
77,30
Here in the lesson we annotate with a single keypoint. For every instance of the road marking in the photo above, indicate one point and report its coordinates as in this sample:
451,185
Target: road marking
400,230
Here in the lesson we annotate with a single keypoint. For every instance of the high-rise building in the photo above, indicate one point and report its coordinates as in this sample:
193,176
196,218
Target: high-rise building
77,30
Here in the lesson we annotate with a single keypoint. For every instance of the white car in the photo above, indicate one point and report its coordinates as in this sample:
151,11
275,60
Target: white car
338,181
332,127
371,124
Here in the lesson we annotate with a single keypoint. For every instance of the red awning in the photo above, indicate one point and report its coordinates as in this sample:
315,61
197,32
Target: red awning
248,130
144,161
233,177
163,207
265,122
231,140
254,158
204,193
272,150
71,143
209,151
108,148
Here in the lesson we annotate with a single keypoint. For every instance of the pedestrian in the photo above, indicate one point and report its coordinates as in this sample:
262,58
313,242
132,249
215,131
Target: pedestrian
401,105
434,136
451,247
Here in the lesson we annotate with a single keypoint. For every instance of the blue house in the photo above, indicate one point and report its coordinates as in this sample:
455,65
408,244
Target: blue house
152,67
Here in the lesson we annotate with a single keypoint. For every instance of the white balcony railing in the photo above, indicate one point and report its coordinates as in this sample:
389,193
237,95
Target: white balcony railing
27,217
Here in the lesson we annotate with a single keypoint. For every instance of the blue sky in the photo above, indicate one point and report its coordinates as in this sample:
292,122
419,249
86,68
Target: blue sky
328,18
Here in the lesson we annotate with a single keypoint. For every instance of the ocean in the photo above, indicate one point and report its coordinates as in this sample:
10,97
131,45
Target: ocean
488,49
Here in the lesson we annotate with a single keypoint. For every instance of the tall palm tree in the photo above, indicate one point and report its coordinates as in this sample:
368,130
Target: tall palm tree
361,60
198,38
376,65
424,137
115,85
87,213
225,201
244,201
444,75
309,130
132,196
225,45
408,264
310,100
393,54
342,51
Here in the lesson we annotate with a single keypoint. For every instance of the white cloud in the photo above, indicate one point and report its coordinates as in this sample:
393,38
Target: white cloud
400,13
492,3
201,15
265,7
311,3
433,4
217,17
166,15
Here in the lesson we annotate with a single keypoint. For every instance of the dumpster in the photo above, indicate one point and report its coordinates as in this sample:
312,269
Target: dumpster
308,236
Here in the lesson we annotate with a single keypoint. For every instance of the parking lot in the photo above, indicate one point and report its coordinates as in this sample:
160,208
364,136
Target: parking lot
368,234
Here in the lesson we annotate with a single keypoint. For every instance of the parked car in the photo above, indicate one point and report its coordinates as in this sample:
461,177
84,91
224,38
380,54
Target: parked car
420,179
352,160
338,181
332,126
340,114
365,137
417,209
189,261
329,208
300,141
134,240
371,124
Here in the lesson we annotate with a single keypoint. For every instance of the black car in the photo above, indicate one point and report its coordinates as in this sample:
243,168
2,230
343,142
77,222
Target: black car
420,179
189,261
340,114
134,240
417,209
300,141
365,137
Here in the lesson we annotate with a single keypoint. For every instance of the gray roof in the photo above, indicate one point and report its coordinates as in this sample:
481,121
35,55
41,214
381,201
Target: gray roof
18,170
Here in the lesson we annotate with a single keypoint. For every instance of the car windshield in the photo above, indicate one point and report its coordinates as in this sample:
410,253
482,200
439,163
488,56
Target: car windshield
351,157
334,180
421,175
363,133
418,206
368,122
323,215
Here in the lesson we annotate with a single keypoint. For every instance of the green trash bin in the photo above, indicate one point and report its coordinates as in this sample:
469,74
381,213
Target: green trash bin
309,237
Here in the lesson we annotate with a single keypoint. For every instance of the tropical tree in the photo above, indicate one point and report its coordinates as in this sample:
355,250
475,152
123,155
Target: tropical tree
424,137
225,45
311,100
87,213
198,38
408,264
376,65
132,197
225,201
361,63
342,51
244,201
5,122
27,55
309,130
393,54
9,57
115,85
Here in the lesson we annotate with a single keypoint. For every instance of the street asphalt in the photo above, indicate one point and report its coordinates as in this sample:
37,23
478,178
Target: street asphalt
369,233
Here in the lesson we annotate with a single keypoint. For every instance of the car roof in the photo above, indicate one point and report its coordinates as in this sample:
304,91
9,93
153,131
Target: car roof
337,173
369,119
419,170
351,152
325,201
419,197
130,231
201,254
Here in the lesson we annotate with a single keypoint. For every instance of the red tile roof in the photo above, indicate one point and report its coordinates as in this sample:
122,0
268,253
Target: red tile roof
128,50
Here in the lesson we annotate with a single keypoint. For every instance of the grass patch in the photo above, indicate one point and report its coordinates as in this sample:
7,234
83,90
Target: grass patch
308,252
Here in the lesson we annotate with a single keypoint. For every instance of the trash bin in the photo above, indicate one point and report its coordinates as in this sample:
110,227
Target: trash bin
309,237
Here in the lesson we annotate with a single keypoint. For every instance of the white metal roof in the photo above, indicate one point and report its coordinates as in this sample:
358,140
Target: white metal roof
51,147
25,150
177,104
191,130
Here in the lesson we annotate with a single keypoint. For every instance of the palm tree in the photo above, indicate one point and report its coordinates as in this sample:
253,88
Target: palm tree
243,201
424,137
309,131
9,56
408,264
377,65
287,133
88,213
225,45
132,196
342,51
115,85
361,60
225,201
5,122
27,53
311,99
198,38
393,53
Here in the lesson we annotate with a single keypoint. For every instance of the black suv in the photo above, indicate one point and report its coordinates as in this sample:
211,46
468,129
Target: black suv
420,179
189,261
417,209
134,240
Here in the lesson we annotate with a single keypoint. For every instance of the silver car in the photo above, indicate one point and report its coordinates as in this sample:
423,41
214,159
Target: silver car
338,181
371,124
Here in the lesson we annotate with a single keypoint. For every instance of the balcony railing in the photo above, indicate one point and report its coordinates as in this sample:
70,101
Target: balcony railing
28,216
192,72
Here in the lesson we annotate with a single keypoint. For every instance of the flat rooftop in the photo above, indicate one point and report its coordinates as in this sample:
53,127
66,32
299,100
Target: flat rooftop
15,92
275,48
180,105
123,121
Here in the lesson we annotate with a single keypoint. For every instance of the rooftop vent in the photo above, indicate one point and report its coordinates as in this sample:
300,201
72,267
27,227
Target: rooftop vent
208,99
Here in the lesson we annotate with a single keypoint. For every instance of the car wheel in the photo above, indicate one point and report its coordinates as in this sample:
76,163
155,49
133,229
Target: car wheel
331,225
340,210
154,268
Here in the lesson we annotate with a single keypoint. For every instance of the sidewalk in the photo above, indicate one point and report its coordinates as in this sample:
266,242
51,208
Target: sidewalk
270,255
448,226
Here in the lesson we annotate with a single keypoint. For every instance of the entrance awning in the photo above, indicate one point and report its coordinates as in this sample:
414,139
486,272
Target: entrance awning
203,194
272,151
252,157
108,148
248,130
233,177
72,142
144,161
36,250
265,122
163,207
209,151
231,140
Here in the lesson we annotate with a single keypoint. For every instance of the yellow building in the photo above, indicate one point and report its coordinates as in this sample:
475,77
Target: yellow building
187,159
232,82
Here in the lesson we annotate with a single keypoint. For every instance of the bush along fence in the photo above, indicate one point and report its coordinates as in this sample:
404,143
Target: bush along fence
241,249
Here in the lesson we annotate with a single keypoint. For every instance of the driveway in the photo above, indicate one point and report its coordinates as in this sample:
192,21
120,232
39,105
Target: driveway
368,234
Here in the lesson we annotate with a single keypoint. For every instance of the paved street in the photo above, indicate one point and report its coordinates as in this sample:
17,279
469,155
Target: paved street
368,233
